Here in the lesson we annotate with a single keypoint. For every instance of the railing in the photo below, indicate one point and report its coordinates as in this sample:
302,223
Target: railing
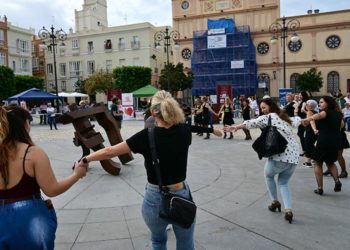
135,44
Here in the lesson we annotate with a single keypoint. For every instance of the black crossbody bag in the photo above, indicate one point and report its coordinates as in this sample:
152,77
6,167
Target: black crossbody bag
175,209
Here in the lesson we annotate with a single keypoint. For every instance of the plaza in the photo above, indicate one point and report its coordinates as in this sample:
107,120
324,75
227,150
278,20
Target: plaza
226,179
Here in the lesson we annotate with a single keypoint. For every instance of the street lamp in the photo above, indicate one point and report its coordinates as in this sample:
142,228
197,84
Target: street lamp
50,40
168,38
283,30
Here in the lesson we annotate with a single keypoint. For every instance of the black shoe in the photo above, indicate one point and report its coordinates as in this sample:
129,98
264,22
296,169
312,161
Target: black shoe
200,134
343,174
289,216
206,138
337,186
275,205
224,136
318,191
326,173
302,154
231,137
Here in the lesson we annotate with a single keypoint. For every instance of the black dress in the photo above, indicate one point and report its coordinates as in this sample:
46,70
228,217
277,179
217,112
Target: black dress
329,138
228,117
310,139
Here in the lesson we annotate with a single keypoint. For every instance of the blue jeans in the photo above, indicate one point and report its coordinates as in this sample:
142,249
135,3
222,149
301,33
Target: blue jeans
52,121
27,224
150,212
347,121
284,171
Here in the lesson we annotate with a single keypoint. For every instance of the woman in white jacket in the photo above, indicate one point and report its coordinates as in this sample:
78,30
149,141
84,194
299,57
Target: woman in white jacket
282,164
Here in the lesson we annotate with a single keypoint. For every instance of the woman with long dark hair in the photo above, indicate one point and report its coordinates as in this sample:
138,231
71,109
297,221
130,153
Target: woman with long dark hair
329,122
301,112
26,221
282,165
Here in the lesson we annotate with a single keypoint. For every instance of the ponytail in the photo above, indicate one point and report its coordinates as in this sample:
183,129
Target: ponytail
4,149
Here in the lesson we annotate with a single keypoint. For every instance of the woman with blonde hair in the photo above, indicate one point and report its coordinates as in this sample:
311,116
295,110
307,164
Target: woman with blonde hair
172,141
26,221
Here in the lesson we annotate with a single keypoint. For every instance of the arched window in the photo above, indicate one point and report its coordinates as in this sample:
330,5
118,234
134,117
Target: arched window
264,82
293,81
332,81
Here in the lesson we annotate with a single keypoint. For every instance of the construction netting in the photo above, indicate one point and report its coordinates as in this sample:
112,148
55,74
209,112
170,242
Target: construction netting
223,55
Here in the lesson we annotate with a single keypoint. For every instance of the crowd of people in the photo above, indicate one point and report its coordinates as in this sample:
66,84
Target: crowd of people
26,171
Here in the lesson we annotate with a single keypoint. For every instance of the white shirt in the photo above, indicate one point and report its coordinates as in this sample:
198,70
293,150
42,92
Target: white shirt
291,154
346,112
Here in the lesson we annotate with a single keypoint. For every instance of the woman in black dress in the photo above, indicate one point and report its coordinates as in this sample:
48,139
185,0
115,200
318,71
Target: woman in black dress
246,116
329,122
227,109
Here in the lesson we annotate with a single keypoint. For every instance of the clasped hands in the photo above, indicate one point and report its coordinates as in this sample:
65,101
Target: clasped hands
230,128
80,168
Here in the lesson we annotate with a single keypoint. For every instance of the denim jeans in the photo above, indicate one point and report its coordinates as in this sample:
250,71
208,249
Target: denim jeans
284,171
150,212
27,224
52,121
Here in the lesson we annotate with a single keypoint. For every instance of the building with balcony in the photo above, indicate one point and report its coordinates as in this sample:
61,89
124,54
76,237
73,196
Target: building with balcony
324,41
95,46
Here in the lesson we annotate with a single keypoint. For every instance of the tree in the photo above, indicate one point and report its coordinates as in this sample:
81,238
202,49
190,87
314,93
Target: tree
99,82
174,77
7,83
310,81
130,78
27,82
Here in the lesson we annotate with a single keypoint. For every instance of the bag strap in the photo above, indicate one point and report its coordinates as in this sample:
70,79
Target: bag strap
155,161
269,122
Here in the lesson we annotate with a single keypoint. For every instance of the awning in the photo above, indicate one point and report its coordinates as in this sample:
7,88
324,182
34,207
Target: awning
32,94
145,91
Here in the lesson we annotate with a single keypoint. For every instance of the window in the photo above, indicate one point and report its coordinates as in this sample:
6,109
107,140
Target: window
293,81
63,85
122,62
22,46
121,43
108,44
109,65
264,82
91,67
75,44
2,59
49,69
333,82
24,64
33,49
51,84
2,37
90,47
74,68
135,44
63,70
35,62
14,66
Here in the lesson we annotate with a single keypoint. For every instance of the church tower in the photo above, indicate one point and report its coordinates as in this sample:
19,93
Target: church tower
92,17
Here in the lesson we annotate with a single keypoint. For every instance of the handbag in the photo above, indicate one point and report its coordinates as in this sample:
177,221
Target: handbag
270,142
175,209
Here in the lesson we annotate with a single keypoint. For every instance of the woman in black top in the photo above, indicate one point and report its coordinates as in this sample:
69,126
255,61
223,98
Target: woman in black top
329,122
302,114
172,140
246,116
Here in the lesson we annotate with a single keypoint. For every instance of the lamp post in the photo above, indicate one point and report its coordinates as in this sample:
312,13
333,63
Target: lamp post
283,30
168,38
52,38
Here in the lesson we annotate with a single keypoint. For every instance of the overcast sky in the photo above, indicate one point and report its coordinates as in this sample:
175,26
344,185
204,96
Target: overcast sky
38,13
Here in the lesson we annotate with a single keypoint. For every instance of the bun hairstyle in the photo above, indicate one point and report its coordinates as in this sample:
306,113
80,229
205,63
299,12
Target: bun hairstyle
166,108
13,129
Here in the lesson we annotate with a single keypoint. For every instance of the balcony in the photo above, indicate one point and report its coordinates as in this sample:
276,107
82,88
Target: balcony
75,51
76,74
135,44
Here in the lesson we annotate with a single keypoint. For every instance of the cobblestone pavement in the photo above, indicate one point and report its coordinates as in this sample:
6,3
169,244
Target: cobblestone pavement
226,179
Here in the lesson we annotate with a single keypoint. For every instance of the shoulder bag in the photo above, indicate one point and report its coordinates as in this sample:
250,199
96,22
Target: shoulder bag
270,142
175,209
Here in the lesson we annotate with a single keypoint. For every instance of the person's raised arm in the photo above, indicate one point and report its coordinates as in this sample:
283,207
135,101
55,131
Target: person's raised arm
46,178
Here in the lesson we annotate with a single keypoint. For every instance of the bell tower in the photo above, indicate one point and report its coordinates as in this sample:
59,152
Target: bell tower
92,17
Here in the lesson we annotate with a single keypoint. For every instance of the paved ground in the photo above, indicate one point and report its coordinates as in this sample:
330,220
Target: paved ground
226,178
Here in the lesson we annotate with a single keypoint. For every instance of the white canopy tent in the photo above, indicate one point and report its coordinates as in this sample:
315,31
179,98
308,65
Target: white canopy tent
72,94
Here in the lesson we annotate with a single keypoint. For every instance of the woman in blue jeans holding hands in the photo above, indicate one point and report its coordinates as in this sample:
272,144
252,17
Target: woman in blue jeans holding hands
282,164
172,140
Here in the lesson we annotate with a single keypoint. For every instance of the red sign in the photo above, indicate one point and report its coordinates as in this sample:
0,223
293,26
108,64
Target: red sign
114,92
223,91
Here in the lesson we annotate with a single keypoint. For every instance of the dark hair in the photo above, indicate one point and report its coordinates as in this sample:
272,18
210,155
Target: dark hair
115,99
13,121
331,103
304,96
274,108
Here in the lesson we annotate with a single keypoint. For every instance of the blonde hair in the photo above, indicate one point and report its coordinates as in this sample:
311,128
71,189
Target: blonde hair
167,108
228,101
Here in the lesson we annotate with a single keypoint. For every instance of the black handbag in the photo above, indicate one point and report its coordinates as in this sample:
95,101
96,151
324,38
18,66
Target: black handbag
270,142
175,209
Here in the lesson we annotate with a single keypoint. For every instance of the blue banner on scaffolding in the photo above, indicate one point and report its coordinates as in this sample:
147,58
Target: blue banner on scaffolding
228,24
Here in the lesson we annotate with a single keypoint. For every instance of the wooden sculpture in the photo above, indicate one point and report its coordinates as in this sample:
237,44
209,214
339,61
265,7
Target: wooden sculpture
86,137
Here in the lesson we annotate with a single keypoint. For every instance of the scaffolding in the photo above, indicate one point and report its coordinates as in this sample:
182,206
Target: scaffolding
216,66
